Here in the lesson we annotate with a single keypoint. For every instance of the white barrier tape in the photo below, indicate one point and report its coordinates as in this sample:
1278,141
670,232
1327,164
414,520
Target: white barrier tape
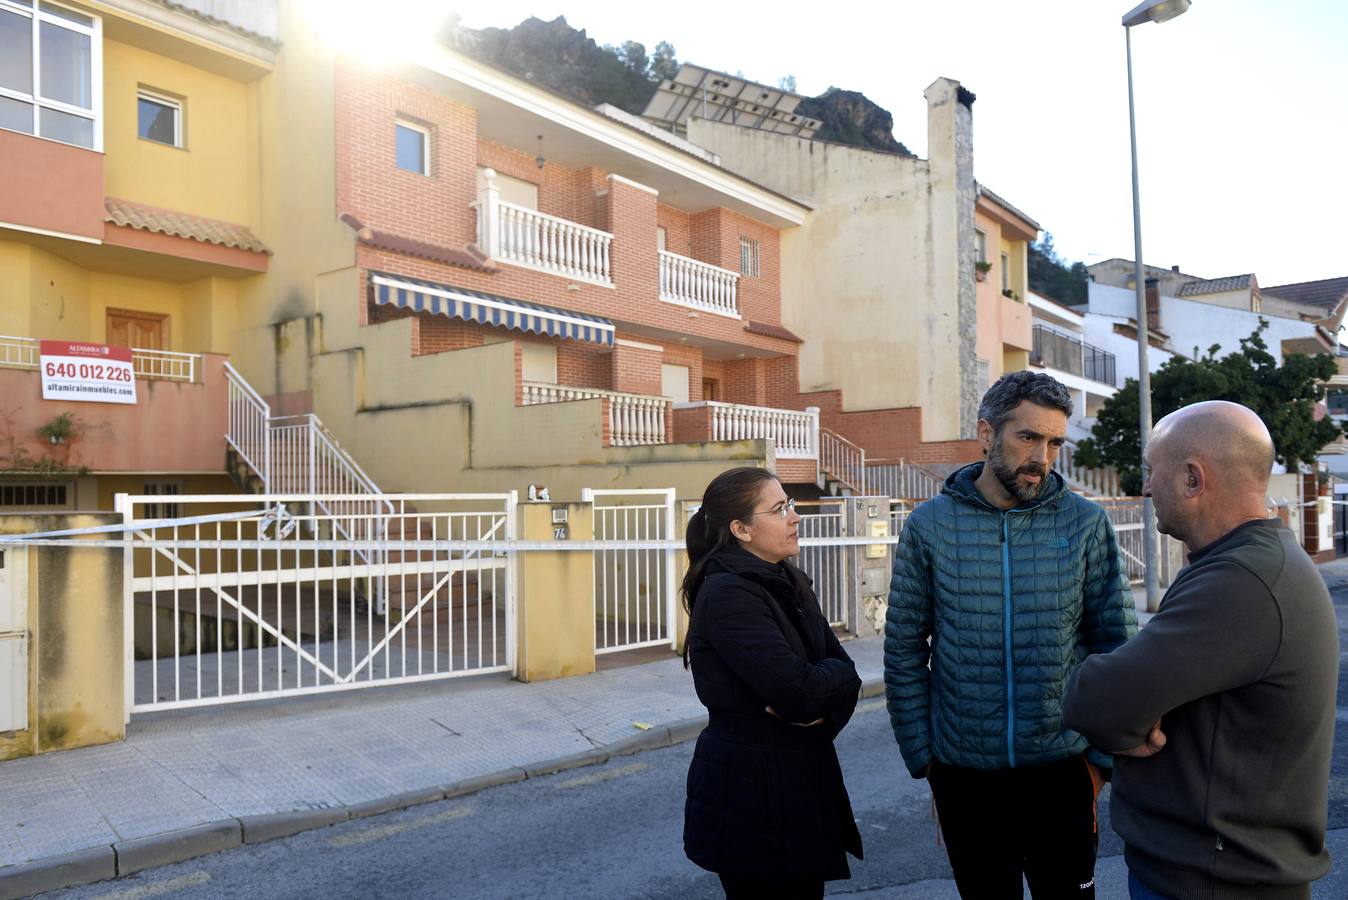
274,514
315,545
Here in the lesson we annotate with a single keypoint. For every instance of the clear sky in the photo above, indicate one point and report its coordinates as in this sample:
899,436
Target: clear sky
1242,108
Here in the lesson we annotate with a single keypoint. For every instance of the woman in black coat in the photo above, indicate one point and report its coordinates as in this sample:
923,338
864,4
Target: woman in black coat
767,809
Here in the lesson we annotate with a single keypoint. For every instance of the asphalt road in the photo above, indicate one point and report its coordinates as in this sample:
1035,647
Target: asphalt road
614,831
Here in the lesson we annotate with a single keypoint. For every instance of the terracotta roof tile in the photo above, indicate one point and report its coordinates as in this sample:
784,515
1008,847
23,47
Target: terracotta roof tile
767,330
466,257
177,224
1327,293
1216,285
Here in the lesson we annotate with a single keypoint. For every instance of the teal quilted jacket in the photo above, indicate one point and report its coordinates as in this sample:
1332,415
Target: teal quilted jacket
1012,601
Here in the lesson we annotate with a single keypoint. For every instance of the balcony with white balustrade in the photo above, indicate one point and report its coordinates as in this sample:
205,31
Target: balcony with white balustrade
524,237
795,434
692,283
633,420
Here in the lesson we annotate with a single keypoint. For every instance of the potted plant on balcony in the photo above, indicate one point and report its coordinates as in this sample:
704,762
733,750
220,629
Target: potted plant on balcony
981,270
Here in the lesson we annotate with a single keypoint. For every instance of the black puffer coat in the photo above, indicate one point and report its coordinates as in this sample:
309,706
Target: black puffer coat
766,797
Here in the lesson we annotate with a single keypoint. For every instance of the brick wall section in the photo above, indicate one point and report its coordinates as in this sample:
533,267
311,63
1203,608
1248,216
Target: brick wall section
438,209
584,365
744,382
675,223
691,357
562,192
692,425
635,369
797,471
370,186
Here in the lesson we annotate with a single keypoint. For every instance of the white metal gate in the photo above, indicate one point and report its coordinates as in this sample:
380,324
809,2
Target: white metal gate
830,565
254,597
634,591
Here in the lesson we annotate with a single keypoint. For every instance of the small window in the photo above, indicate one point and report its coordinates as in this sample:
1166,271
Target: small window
1006,272
162,510
748,256
27,496
980,246
414,144
660,237
159,119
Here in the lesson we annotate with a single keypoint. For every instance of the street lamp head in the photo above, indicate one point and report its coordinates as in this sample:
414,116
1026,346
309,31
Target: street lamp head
1155,11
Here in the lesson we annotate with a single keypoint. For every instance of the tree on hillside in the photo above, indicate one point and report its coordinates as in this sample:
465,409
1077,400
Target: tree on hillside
1053,276
787,83
633,55
664,65
1283,396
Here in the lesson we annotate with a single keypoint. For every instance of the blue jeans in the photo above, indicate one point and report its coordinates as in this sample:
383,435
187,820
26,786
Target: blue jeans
1139,891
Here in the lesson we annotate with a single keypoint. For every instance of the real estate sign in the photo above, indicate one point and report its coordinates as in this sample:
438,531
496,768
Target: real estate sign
95,373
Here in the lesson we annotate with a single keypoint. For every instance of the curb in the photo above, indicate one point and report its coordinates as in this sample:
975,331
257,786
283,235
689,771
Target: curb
128,857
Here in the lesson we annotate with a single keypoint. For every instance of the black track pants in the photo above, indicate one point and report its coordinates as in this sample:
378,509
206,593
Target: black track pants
1038,821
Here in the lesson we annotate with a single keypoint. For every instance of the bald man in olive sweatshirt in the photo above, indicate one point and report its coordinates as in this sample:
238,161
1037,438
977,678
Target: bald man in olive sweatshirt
1221,710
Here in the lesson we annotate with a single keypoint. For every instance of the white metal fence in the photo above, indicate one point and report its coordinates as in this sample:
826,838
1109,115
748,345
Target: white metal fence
256,597
634,591
155,365
902,480
831,566
1126,515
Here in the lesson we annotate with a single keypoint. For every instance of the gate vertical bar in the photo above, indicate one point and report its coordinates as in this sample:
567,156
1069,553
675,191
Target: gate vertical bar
671,605
122,504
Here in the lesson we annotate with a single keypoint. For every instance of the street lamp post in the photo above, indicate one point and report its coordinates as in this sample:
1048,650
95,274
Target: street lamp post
1147,11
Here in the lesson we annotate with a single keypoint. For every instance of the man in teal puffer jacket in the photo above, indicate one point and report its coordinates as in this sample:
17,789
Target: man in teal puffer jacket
1004,583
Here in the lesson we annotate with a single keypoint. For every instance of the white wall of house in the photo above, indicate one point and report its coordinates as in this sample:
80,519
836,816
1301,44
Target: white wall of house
1194,323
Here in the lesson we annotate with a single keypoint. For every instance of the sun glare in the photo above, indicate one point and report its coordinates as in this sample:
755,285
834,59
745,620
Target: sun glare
389,31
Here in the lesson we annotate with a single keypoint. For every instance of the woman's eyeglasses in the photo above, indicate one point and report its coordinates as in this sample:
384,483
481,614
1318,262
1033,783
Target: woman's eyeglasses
781,511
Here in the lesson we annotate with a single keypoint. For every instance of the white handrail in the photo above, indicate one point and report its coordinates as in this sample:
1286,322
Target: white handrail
249,426
691,282
903,480
843,460
634,419
795,434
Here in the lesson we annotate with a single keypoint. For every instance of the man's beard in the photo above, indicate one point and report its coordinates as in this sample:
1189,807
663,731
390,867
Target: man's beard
1008,477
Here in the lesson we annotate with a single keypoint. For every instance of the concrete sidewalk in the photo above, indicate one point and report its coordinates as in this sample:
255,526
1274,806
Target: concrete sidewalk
194,782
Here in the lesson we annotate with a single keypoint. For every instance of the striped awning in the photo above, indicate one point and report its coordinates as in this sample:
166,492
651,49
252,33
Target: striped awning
488,309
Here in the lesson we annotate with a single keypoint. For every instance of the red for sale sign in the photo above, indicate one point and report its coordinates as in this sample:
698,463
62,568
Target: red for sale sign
95,373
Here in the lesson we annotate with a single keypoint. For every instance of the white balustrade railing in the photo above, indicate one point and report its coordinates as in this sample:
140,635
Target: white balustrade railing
690,282
525,237
1103,482
844,461
634,419
159,365
795,434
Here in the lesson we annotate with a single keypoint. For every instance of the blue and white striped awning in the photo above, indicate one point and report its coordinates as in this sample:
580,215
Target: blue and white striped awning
488,309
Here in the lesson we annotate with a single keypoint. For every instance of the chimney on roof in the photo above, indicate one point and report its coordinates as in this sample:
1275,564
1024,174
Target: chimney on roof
1174,268
1154,304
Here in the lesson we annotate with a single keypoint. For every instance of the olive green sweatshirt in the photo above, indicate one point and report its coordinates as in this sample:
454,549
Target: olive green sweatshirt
1241,665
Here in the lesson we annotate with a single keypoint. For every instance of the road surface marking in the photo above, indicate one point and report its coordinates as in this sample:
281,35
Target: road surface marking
597,777
383,831
173,885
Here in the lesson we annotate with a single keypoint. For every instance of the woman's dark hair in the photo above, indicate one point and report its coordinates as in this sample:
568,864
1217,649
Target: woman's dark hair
731,495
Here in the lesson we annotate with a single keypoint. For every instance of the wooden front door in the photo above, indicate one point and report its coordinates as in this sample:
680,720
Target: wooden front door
710,389
144,331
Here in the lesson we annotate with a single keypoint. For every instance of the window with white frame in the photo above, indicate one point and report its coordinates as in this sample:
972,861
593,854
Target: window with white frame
748,256
980,246
414,147
159,118
51,72
1006,272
